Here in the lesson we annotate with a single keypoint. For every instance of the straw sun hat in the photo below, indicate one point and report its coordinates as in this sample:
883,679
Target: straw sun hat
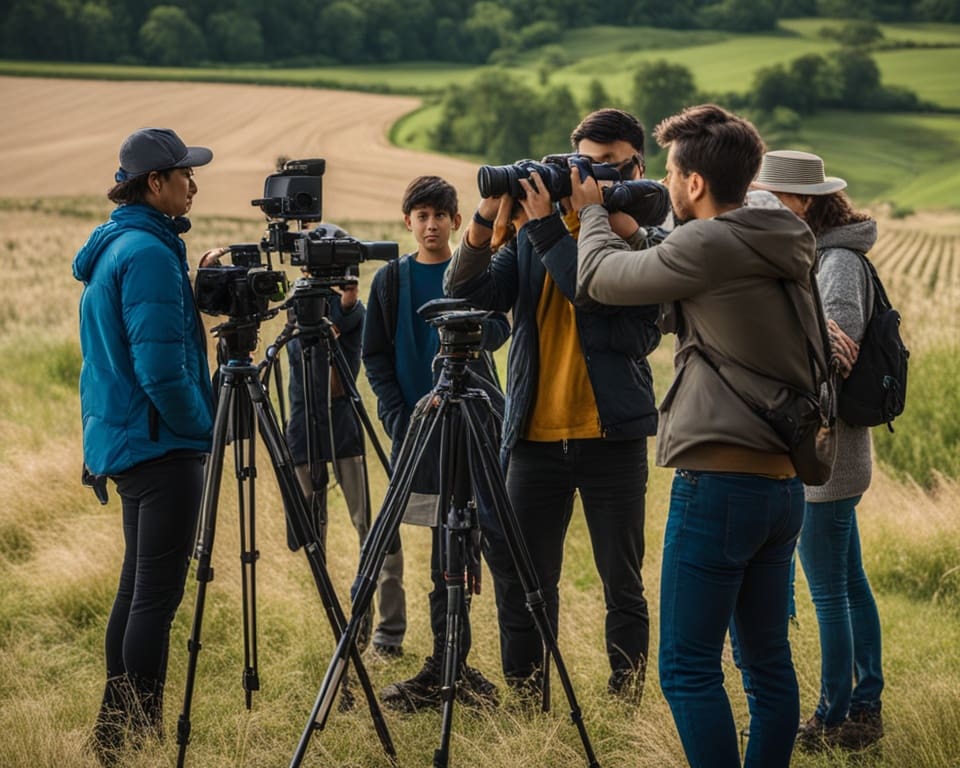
799,173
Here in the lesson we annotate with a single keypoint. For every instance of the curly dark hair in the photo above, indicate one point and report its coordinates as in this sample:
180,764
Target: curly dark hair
724,148
829,211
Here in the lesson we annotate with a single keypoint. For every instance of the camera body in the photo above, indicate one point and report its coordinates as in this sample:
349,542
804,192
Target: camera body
294,192
243,289
334,257
646,201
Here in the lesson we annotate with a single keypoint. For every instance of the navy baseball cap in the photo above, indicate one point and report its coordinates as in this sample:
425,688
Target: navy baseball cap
156,149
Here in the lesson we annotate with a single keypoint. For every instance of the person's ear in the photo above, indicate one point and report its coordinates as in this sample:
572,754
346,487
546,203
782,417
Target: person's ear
457,220
696,186
407,221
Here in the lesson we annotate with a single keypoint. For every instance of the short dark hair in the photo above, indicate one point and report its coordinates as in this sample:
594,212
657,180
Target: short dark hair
724,148
133,191
606,126
432,191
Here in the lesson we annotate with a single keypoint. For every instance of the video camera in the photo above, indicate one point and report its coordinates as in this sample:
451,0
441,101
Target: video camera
645,200
242,289
296,193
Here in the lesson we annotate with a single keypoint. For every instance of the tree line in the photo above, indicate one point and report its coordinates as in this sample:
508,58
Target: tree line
501,119
315,32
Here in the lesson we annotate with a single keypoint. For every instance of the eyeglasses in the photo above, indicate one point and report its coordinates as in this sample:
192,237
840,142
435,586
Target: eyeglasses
625,167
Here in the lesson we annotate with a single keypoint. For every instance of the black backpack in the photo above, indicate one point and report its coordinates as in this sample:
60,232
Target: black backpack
875,392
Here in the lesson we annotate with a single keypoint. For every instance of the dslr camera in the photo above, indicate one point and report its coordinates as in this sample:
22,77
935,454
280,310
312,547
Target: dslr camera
645,200
242,289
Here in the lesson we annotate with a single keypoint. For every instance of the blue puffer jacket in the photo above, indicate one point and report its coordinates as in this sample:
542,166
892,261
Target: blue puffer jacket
145,384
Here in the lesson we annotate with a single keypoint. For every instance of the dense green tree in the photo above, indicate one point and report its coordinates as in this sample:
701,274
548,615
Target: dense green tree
234,36
939,10
858,76
341,27
488,27
40,29
492,117
555,116
168,37
101,32
596,98
741,15
661,89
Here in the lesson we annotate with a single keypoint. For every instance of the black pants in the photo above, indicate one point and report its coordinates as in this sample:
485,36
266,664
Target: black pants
542,478
161,501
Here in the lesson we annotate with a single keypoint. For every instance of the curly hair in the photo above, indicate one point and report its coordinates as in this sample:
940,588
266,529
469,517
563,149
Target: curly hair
829,211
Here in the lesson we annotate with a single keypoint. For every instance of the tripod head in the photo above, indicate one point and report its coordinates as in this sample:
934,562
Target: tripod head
460,327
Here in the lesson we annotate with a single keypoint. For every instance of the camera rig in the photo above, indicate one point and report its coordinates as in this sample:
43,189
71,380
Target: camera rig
645,200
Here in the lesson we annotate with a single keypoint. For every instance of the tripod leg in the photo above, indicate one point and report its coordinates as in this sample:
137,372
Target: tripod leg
455,526
203,552
371,559
493,481
295,507
244,457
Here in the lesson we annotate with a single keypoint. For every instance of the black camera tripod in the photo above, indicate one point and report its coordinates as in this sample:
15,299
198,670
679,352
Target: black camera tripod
468,461
242,401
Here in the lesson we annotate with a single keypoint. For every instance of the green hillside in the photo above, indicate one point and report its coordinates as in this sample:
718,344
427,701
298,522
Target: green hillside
910,159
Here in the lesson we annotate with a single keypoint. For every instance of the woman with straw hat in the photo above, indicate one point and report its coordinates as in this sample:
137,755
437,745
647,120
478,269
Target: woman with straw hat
848,712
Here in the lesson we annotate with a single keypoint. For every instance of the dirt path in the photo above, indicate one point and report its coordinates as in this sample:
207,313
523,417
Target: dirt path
61,137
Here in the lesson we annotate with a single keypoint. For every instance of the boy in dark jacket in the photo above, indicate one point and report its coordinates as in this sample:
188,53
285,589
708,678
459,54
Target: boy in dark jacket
398,353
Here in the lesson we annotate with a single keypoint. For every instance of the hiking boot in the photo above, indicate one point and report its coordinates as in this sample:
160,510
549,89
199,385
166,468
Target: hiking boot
474,690
815,736
422,691
860,730
626,684
113,721
388,652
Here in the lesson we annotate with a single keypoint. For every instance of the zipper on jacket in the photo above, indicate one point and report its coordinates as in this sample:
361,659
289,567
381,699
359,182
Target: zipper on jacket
564,446
154,418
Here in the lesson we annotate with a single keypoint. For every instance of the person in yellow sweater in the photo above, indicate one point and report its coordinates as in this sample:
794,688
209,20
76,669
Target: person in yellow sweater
579,409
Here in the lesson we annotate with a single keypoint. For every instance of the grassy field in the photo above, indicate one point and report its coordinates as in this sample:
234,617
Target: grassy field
59,555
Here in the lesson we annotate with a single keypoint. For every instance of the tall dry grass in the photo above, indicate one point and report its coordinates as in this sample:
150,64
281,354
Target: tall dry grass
60,552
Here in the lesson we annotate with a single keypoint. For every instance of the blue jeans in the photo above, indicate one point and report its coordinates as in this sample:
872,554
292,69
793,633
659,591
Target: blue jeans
846,611
542,480
726,555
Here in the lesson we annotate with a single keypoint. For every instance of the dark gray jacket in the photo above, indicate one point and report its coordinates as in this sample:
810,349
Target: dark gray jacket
725,274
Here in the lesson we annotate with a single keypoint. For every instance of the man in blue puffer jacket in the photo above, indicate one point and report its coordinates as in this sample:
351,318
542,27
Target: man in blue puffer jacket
147,408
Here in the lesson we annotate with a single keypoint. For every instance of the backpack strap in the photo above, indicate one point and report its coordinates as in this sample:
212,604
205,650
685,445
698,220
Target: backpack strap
391,298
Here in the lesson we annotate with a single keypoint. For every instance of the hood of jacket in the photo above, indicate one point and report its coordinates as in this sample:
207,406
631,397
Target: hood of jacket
123,219
777,239
860,236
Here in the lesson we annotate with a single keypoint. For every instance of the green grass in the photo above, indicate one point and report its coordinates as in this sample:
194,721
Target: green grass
930,73
60,552
927,436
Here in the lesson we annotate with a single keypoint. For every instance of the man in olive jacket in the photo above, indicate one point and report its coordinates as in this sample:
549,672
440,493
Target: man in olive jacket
736,503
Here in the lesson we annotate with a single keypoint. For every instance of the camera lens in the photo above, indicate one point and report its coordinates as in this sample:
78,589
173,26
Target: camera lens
496,180
645,200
